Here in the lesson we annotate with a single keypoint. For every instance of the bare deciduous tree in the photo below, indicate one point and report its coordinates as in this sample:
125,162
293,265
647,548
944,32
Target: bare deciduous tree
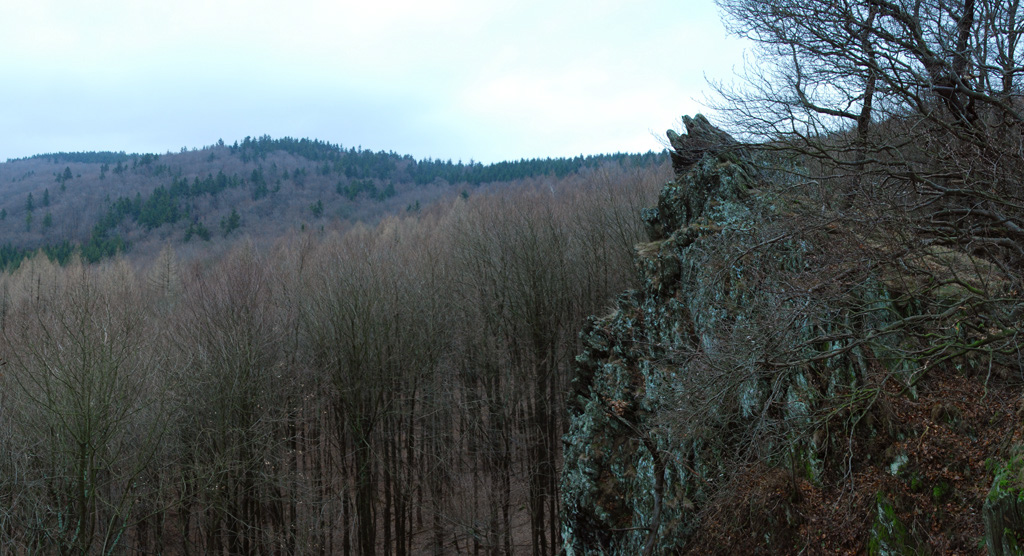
86,425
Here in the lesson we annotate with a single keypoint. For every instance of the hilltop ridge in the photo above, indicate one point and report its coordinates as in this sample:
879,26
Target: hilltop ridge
101,203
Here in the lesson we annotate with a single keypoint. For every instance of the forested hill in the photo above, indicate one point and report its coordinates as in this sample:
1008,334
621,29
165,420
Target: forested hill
102,203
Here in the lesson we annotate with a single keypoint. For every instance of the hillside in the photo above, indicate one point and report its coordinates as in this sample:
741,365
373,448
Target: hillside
100,203
824,355
798,331
779,384
388,388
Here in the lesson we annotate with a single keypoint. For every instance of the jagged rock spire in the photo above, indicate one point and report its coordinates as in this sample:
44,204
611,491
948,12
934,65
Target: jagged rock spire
701,137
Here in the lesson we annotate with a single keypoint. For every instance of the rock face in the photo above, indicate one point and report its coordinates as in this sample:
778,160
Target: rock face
1004,509
701,138
672,388
629,481
770,362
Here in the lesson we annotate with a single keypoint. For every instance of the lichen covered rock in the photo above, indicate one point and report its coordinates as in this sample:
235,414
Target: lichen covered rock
889,537
1004,509
677,385
629,488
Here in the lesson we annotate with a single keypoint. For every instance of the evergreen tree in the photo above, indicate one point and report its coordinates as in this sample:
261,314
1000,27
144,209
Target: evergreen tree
317,208
196,228
230,223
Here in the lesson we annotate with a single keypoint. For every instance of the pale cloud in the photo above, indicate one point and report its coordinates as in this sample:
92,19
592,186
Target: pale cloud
450,78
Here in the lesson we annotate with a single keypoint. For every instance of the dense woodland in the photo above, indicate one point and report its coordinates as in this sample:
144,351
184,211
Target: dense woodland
286,346
395,388
98,204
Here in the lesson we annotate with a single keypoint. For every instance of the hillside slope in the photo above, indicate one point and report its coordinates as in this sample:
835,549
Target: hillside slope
782,383
100,203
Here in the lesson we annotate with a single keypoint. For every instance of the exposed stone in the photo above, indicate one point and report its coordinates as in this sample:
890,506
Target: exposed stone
628,489
889,537
641,457
1004,509
701,138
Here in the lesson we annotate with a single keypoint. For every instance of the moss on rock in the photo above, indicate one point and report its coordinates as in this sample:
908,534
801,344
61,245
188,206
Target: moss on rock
1003,512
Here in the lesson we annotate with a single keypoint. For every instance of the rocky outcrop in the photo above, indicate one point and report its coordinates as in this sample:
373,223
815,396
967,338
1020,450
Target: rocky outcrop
701,138
630,481
673,388
1004,509
778,355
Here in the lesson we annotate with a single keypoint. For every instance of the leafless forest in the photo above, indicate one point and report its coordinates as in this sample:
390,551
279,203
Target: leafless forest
395,389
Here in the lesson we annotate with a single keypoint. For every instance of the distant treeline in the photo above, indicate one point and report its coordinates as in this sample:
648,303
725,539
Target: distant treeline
356,163
170,193
90,157
426,171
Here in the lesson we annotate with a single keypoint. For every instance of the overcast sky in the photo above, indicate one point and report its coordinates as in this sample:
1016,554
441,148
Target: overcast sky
459,79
